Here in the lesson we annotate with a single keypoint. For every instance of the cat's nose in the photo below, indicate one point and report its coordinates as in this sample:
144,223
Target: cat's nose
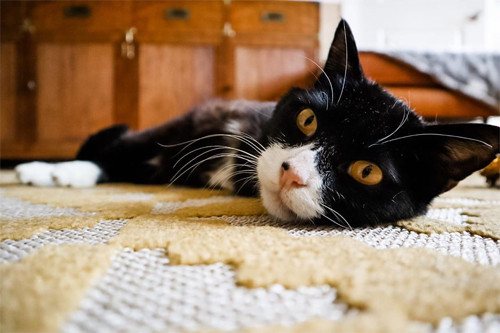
291,177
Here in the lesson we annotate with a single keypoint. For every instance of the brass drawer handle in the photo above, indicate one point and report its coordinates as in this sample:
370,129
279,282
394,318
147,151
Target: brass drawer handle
77,11
177,14
272,17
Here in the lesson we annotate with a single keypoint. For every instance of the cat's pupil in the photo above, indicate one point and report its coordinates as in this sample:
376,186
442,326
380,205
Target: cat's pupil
367,171
309,121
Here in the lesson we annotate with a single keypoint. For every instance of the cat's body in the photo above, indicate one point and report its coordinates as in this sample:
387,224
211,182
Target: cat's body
343,151
159,155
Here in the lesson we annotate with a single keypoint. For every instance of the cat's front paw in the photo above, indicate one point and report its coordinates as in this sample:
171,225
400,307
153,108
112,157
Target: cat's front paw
35,173
76,174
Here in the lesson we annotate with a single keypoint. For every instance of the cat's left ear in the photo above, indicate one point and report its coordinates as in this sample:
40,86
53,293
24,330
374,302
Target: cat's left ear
343,59
453,152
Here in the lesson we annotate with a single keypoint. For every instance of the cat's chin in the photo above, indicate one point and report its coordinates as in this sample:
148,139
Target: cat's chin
276,207
290,205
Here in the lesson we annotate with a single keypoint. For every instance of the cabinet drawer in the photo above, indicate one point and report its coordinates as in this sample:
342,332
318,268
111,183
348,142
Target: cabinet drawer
83,16
178,16
274,16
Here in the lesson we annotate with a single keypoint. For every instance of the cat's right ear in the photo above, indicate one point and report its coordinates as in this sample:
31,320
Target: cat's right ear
343,60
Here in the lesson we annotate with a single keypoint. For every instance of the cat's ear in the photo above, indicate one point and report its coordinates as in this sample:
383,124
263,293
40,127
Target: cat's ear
453,152
343,59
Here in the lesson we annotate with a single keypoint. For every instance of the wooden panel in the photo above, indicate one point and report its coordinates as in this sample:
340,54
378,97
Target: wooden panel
8,92
172,79
434,102
75,90
10,19
252,16
49,16
266,73
386,70
202,16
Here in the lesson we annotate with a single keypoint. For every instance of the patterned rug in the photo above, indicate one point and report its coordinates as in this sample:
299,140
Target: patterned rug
125,258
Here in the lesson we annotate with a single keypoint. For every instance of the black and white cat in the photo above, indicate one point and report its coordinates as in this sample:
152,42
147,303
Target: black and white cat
342,151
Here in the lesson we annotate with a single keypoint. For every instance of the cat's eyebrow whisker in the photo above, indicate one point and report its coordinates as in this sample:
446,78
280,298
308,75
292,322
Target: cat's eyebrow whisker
329,81
337,214
346,62
405,118
435,134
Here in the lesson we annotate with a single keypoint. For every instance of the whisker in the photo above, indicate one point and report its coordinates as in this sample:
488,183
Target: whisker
330,82
209,151
346,62
218,148
405,118
190,142
336,223
250,178
435,134
194,166
260,148
337,213
250,169
262,113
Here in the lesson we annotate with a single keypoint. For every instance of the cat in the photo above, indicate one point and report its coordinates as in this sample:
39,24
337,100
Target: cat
343,151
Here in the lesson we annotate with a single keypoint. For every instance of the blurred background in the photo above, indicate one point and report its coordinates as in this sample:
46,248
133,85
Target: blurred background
70,68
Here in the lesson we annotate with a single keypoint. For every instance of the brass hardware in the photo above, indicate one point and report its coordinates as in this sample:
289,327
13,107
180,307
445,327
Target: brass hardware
31,85
77,11
27,26
228,30
180,14
128,46
272,17
129,35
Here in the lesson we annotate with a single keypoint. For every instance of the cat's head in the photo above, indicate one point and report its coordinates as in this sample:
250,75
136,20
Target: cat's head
347,150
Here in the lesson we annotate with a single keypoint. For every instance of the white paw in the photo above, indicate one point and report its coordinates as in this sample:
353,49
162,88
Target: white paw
76,174
35,173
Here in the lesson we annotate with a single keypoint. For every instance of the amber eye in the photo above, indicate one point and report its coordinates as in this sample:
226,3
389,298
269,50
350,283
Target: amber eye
365,172
306,122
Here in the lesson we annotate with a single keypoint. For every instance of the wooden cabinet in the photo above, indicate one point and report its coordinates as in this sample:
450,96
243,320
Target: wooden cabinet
70,68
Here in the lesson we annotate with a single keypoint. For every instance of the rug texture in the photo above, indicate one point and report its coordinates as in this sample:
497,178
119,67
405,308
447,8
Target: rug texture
154,259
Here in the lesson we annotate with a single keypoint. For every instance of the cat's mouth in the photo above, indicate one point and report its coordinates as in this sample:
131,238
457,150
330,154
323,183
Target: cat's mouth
290,185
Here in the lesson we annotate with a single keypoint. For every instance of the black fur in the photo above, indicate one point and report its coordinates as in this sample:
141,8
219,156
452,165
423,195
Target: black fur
353,115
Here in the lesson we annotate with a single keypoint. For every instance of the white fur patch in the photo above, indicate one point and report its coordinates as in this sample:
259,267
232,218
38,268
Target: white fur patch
35,173
72,174
288,204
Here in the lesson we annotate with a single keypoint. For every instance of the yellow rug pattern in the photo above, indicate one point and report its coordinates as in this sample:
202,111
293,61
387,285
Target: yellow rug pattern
396,286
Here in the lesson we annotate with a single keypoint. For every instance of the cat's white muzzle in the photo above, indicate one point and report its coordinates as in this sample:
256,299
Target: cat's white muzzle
282,200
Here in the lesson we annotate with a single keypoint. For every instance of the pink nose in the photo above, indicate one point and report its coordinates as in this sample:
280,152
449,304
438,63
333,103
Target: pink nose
291,177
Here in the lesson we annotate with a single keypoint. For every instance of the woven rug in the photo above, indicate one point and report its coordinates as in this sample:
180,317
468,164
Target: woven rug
125,258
